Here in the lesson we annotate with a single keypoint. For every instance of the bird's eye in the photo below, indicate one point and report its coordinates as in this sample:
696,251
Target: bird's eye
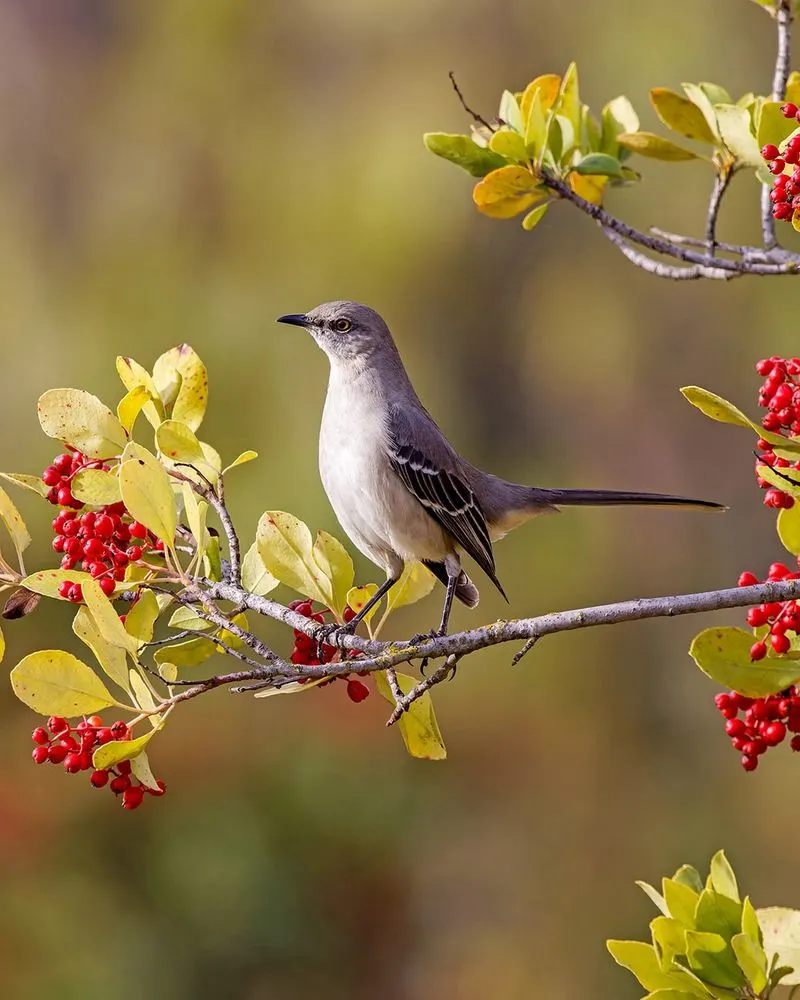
342,325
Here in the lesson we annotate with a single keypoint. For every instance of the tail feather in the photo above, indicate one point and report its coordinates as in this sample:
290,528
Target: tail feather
466,591
607,498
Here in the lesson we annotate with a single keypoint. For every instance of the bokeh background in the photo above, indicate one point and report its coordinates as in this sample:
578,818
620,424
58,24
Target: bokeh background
190,170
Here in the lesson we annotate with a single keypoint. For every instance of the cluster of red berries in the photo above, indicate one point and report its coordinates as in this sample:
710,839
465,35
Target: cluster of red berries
764,723
781,616
785,193
305,650
103,541
62,744
780,396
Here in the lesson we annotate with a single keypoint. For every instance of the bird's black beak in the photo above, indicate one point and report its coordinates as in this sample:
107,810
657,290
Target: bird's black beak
295,319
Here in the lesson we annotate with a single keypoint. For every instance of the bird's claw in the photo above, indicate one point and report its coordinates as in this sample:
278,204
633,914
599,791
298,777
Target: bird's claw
330,635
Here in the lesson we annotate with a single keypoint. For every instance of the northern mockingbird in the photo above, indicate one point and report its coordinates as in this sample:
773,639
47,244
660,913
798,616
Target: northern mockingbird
397,486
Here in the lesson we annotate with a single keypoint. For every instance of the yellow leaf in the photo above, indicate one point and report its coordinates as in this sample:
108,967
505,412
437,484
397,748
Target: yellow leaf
111,658
415,583
418,725
547,86
255,576
212,457
132,374
654,146
506,192
115,752
177,441
697,96
735,127
246,456
292,688
106,618
80,419
535,216
140,768
147,492
12,519
32,483
335,562
196,513
187,618
142,694
141,618
46,582
96,487
53,682
569,102
590,187
169,672
286,549
681,115
2,645
357,597
131,405
186,654
183,366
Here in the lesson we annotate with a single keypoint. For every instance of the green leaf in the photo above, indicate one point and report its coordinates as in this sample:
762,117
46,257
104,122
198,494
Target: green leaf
147,492
641,959
600,164
723,878
111,754
669,940
106,618
654,146
80,419
132,375
256,578
750,925
131,405
535,216
781,929
789,528
771,126
510,112
689,875
752,961
734,126
681,901
286,549
246,456
186,654
681,115
718,914
715,93
212,560
46,582
141,619
188,618
783,479
792,88
712,959
111,658
697,96
724,655
536,127
506,192
181,365
32,483
53,682
655,896
335,562
508,144
15,526
96,487
462,151
569,101
416,582
618,116
418,725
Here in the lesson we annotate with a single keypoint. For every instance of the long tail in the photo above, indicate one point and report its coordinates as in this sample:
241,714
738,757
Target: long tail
609,498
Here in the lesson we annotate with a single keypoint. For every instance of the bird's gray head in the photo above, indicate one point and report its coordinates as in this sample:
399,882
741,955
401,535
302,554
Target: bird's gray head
344,330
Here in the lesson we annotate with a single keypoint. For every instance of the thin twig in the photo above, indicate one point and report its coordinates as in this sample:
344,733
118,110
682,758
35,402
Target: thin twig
661,270
406,700
721,181
210,496
473,114
394,685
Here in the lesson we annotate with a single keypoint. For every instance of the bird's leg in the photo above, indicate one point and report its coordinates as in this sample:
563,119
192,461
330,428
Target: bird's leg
452,581
330,633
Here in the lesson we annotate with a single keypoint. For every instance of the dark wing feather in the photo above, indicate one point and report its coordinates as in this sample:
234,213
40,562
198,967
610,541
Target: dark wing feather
445,495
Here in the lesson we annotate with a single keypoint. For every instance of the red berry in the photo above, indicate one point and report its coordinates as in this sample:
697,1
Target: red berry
120,783
780,643
40,755
65,497
765,365
746,579
788,110
132,797
749,763
99,778
104,735
73,763
773,733
57,725
769,152
138,530
40,736
57,753
63,463
104,526
758,651
735,728
124,767
356,691
51,476
119,731
161,790
94,548
75,593
757,617
107,586
795,744
134,553
64,588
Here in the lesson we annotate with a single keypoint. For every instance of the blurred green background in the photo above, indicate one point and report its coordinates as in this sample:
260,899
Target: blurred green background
189,170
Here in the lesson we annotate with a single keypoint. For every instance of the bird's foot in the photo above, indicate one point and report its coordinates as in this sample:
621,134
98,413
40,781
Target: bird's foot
330,635
435,633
